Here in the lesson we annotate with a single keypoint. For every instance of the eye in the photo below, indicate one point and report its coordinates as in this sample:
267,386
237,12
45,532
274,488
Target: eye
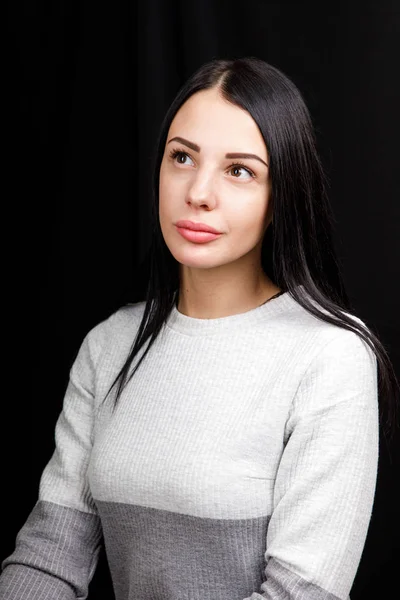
174,153
238,165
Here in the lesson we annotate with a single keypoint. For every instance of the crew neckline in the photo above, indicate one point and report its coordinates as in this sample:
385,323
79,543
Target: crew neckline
195,326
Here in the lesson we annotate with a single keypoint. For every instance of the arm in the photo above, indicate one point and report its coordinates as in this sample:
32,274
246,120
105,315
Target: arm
57,548
325,484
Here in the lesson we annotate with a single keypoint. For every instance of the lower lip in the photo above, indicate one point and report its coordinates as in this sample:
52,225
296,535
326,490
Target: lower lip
199,237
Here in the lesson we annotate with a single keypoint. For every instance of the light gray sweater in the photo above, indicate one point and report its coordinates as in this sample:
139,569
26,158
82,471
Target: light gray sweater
240,463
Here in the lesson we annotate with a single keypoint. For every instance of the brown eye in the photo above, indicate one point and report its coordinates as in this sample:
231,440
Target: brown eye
239,167
178,153
234,166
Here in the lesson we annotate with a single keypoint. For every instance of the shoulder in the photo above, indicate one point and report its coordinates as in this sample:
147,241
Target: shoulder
127,318
321,350
338,358
337,377
308,326
117,331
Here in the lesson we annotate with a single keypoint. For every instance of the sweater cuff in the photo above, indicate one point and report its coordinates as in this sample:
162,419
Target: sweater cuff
20,582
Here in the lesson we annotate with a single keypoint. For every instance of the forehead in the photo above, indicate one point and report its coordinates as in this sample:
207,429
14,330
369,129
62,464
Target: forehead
217,125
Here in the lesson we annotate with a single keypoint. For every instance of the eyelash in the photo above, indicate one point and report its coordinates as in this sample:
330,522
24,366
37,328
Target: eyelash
174,153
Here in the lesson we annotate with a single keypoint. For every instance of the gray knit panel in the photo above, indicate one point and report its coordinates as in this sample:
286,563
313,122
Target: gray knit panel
161,555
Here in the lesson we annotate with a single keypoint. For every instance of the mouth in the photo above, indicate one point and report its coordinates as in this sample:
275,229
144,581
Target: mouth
196,226
198,237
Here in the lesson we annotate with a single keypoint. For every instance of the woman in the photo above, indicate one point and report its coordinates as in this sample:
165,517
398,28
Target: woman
240,460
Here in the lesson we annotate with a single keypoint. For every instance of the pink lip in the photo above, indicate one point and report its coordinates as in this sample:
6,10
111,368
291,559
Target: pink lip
199,237
196,226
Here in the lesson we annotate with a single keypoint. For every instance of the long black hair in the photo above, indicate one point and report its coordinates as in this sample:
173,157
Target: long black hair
298,252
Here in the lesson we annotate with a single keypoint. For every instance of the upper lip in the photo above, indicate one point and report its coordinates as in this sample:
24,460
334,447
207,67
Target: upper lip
196,226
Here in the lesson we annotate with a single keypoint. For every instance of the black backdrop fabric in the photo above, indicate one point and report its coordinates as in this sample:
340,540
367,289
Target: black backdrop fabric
88,86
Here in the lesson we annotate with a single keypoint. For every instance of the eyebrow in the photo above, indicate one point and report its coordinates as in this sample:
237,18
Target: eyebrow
196,148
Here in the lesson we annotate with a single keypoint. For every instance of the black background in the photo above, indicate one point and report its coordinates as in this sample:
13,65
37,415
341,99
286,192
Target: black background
87,85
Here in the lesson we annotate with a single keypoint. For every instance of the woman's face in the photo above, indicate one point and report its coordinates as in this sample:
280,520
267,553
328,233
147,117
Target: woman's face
205,186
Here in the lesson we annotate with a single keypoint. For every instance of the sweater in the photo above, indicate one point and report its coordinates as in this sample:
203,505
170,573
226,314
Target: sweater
240,463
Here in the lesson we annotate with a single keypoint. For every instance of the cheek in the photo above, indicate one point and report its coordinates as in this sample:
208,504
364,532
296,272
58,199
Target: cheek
248,234
249,219
168,206
164,194
164,213
167,189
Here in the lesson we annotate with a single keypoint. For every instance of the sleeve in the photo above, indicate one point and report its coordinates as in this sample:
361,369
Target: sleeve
57,548
325,484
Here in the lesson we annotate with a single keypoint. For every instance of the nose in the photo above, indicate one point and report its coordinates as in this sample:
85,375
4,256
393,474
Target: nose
202,194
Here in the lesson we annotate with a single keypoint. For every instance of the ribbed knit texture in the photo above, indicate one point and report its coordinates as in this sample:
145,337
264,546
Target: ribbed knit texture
240,463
